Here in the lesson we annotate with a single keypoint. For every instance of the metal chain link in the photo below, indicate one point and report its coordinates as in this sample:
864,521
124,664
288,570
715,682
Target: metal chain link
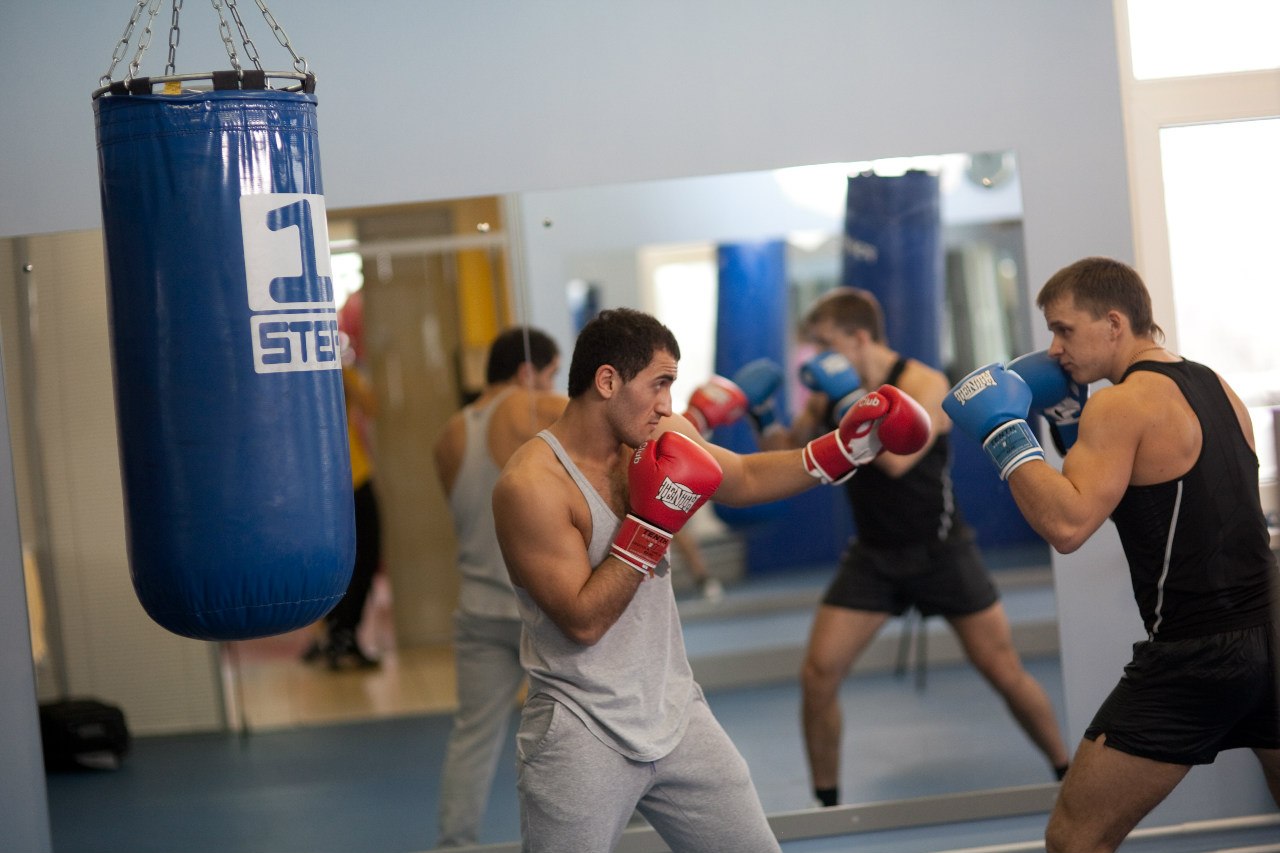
250,49
143,43
174,38
224,30
299,62
122,46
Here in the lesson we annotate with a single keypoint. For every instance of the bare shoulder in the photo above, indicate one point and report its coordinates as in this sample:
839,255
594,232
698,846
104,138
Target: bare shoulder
928,387
523,412
925,384
448,448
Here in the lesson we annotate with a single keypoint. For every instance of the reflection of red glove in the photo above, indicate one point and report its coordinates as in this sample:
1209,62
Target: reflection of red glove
668,479
716,402
886,419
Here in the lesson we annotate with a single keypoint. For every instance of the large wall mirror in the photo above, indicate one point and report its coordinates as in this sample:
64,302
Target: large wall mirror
434,281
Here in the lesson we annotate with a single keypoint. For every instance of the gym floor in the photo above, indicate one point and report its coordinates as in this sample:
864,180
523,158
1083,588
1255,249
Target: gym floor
348,762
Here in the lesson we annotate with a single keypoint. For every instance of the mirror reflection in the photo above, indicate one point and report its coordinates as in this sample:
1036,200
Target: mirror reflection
428,287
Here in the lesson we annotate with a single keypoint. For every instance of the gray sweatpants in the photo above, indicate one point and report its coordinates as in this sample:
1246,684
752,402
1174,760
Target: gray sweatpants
577,794
487,660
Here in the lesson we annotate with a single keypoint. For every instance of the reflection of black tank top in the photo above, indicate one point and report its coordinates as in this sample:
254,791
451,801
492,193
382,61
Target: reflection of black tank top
916,508
1198,549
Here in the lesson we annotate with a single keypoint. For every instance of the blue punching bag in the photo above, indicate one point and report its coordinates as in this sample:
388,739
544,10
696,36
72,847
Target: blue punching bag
751,323
232,430
893,248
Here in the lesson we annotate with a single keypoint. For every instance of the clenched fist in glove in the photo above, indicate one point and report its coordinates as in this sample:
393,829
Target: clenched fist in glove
1054,394
991,405
885,419
715,403
669,478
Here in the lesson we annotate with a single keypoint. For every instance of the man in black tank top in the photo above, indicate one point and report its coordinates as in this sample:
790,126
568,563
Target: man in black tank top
1166,452
912,549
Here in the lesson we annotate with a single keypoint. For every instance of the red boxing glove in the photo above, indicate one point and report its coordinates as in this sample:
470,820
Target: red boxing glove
668,480
716,402
886,419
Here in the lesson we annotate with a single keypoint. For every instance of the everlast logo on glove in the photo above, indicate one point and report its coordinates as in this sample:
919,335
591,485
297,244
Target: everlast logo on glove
677,496
972,386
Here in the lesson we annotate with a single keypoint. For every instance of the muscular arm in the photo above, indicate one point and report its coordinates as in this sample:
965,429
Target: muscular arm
1066,508
928,387
546,553
750,478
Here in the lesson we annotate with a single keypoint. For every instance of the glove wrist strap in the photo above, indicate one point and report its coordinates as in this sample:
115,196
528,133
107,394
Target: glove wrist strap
1011,445
826,460
640,545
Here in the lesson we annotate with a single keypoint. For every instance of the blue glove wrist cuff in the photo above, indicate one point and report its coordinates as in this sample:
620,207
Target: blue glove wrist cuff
1011,444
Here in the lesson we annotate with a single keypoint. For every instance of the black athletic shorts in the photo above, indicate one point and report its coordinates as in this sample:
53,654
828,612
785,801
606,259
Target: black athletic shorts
1184,701
945,578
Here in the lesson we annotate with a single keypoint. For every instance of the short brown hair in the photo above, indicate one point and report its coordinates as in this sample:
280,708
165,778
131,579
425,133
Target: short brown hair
849,308
623,337
1099,285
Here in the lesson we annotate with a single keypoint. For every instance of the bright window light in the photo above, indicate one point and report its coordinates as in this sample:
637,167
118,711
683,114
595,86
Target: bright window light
1222,200
1182,38
684,295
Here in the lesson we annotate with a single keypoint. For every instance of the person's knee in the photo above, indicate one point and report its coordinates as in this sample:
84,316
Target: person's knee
1058,833
819,679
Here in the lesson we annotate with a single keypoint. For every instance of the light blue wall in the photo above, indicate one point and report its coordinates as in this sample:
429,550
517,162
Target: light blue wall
426,100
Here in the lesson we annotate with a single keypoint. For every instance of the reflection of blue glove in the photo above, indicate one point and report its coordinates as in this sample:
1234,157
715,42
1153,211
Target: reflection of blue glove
1054,394
759,380
831,373
991,404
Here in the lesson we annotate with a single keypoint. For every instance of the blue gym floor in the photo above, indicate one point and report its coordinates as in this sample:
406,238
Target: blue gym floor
371,787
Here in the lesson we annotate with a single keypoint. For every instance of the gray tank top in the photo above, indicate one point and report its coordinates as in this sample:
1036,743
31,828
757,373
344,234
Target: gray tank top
633,688
485,588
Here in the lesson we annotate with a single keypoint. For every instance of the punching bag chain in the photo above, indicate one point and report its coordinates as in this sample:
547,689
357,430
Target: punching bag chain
174,36
299,63
122,46
152,8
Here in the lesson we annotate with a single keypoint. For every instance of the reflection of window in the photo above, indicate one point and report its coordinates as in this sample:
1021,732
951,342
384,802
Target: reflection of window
1223,221
684,298
1181,38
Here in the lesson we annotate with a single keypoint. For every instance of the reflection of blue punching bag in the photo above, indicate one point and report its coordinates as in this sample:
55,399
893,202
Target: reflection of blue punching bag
751,322
893,248
232,430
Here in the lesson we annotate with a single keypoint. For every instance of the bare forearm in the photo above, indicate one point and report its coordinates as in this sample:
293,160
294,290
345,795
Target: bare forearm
600,603
762,477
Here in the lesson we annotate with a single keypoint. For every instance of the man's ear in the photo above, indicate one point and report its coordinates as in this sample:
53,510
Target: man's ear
1117,322
525,375
607,380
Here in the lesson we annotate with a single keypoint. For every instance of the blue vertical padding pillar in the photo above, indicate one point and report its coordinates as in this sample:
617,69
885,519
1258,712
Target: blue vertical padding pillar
893,247
753,321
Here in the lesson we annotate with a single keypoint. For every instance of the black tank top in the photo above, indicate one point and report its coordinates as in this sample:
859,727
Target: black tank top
1198,549
916,508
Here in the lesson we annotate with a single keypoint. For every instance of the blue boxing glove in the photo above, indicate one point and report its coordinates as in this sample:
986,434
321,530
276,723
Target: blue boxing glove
991,405
759,380
831,373
1054,394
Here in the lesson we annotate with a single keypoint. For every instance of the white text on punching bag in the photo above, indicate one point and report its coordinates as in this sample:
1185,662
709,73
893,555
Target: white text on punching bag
288,282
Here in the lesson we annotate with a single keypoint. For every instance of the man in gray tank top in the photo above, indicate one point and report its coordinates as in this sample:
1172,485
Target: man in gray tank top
1167,453
470,451
614,722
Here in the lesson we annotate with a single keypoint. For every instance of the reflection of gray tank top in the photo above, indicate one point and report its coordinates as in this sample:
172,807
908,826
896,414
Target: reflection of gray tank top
485,588
633,688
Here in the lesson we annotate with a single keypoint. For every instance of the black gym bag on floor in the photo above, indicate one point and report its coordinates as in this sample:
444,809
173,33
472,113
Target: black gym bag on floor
83,733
